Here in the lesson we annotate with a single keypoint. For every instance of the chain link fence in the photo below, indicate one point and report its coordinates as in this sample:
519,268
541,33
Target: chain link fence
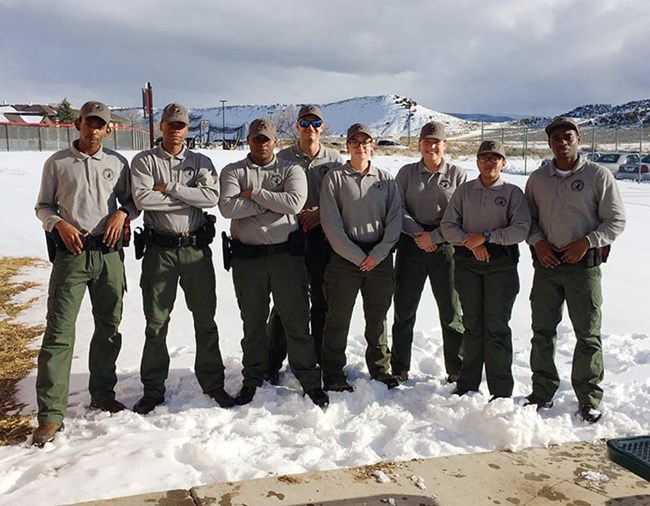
44,137
529,142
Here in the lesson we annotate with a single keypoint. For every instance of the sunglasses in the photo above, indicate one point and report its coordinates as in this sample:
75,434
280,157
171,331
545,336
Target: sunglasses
316,123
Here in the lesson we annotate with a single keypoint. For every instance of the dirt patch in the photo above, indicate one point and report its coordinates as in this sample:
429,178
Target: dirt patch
17,359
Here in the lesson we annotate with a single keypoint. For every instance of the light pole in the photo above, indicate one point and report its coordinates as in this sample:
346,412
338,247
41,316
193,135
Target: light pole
223,123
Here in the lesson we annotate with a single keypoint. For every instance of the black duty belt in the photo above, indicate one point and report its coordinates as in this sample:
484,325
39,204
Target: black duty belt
366,247
174,241
240,249
426,227
496,251
90,243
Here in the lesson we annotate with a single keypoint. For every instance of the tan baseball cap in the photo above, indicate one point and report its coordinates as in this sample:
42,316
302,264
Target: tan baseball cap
310,110
358,128
95,109
433,130
262,126
494,147
175,112
561,121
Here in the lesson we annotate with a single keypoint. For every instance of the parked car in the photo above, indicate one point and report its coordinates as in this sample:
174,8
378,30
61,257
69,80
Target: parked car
614,160
590,155
639,171
387,142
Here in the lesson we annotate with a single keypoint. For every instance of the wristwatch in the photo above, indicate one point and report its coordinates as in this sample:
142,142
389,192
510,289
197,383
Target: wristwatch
487,234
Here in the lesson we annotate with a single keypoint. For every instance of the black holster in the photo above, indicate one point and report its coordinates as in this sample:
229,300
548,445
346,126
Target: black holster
296,240
142,238
226,250
596,256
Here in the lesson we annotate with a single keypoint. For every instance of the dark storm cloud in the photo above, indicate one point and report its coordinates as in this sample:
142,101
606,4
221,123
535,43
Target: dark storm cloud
516,56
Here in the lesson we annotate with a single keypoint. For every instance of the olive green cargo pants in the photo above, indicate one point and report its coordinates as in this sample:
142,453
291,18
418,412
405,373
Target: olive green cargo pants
103,275
580,287
343,281
163,269
487,292
283,276
412,268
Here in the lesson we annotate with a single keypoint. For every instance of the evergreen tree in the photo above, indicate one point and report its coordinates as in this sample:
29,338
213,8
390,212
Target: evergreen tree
64,112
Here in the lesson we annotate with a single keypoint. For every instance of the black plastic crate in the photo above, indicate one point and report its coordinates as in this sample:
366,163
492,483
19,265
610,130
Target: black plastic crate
633,453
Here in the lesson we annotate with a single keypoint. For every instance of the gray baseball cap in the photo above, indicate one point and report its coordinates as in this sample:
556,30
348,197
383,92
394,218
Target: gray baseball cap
310,110
494,147
433,130
358,128
561,121
175,112
262,126
95,109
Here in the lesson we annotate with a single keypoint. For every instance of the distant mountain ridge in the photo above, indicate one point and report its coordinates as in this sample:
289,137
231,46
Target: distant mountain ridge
399,116
625,115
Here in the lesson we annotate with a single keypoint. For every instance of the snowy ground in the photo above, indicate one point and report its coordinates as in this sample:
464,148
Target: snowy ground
189,441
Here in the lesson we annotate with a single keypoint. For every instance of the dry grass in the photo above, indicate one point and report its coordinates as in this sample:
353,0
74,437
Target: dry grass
16,358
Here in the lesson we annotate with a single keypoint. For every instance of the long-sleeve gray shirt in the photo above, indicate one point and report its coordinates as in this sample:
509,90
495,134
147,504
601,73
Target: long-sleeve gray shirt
84,190
586,203
269,216
192,185
500,209
362,208
425,195
316,169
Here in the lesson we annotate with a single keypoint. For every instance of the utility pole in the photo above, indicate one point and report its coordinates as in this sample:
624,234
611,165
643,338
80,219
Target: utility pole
223,123
147,107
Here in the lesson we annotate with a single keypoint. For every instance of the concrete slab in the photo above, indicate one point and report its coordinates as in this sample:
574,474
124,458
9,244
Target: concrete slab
166,498
578,474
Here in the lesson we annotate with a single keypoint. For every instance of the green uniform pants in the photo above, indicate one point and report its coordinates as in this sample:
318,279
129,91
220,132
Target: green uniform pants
580,287
162,271
487,293
343,281
284,276
317,256
103,275
412,268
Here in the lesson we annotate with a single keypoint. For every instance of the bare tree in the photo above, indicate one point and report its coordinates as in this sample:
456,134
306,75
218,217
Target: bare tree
285,123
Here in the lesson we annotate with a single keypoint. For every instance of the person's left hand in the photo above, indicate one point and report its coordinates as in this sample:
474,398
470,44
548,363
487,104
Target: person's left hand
424,242
309,218
160,187
114,228
481,254
368,264
573,252
246,193
473,240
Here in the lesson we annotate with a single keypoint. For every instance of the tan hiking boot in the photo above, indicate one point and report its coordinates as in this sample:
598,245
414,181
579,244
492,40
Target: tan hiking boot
45,433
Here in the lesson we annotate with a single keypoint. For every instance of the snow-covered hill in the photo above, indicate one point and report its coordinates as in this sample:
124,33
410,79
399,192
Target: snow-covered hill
393,116
386,115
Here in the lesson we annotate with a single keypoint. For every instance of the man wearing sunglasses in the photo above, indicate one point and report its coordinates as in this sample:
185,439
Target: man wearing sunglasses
316,160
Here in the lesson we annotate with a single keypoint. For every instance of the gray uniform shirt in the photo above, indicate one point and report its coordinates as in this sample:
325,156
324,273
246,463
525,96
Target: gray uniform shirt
192,185
500,209
425,195
84,190
269,216
584,203
316,169
363,208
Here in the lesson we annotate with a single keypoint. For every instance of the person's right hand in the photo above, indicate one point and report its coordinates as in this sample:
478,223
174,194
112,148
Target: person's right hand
71,237
545,253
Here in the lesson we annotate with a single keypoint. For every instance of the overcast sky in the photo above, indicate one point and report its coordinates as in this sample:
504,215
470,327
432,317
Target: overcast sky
491,56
